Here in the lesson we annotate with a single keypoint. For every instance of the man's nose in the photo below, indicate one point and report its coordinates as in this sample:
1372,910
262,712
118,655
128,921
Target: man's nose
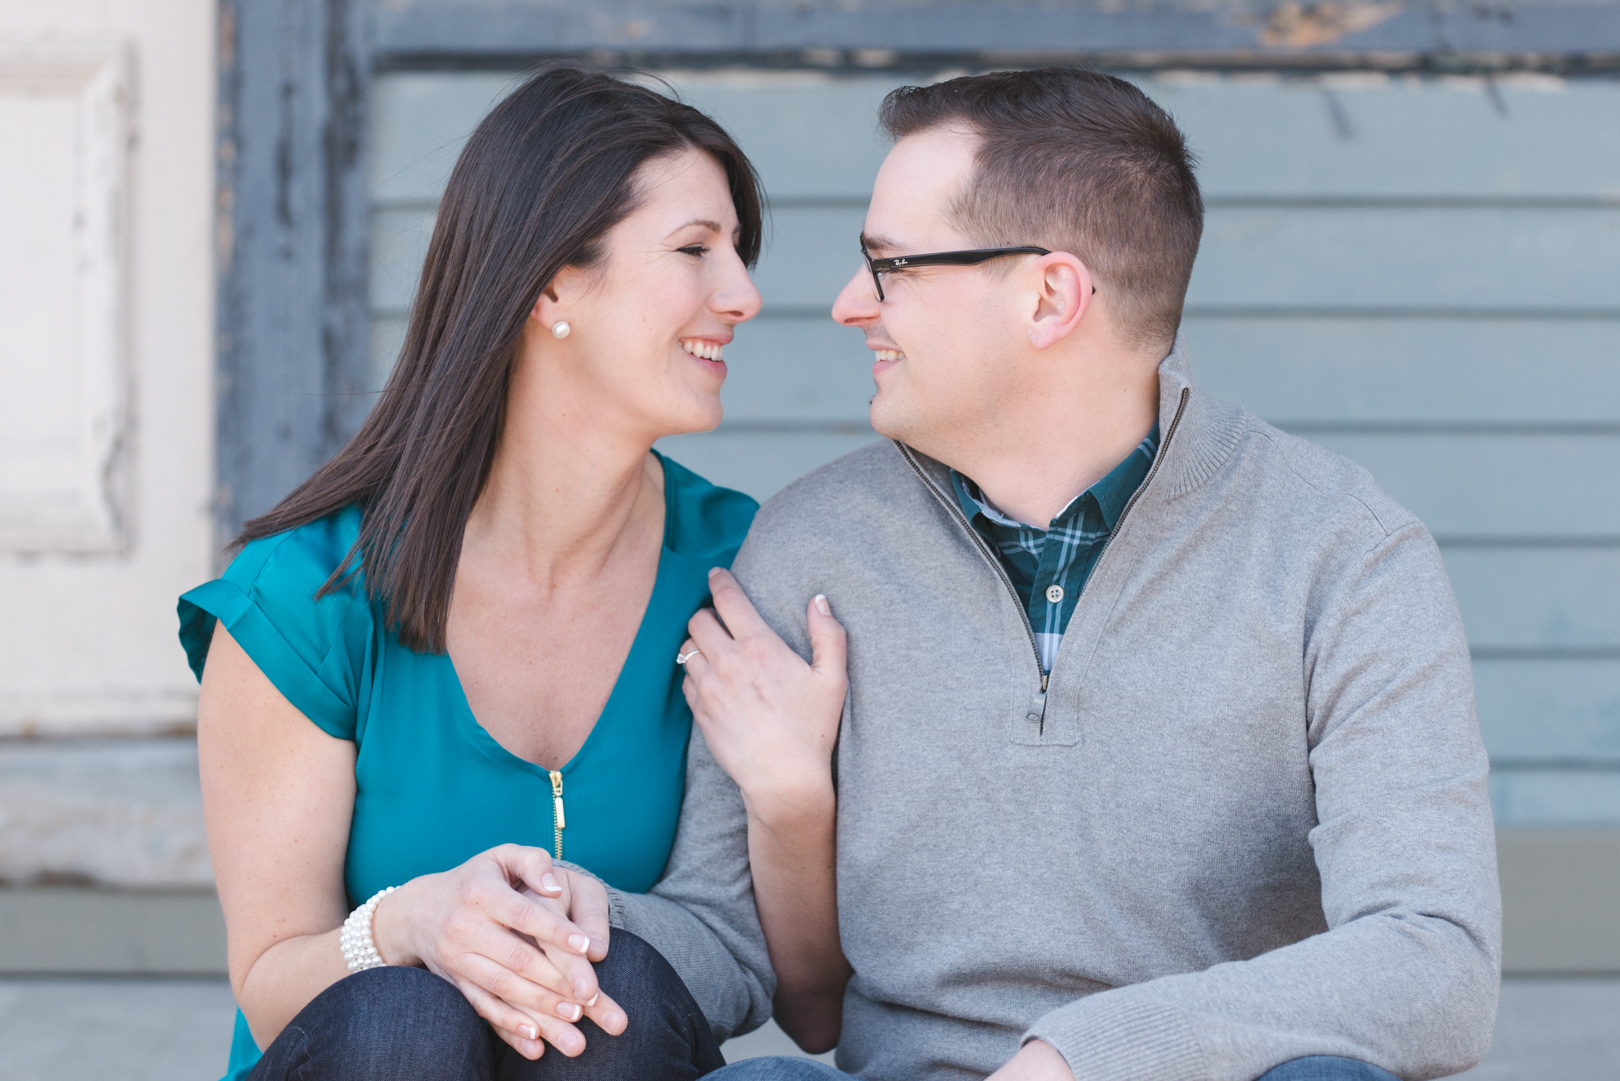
857,302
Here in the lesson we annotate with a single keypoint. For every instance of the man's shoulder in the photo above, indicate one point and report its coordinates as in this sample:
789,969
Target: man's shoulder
862,486
834,516
1323,486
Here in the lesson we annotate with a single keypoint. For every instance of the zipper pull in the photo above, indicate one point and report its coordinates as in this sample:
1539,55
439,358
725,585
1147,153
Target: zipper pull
1037,708
556,798
560,821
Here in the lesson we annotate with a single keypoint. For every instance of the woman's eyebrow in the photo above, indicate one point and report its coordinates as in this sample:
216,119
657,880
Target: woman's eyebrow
712,226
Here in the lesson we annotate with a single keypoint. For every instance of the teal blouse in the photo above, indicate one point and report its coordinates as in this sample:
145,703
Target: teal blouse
433,788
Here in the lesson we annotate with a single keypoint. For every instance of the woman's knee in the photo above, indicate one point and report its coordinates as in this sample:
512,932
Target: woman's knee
398,1023
1327,1068
779,1068
667,1035
635,974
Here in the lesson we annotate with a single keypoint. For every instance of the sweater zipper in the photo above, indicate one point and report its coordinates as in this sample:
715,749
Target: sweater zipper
559,822
1037,705
1036,714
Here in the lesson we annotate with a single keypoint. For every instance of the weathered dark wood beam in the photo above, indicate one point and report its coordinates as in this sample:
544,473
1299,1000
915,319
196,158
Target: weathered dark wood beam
292,334
885,33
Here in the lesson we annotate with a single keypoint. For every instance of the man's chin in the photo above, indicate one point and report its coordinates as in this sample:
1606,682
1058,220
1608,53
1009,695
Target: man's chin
887,421
892,420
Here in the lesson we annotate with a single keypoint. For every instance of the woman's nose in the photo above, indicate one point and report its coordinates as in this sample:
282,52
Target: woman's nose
739,299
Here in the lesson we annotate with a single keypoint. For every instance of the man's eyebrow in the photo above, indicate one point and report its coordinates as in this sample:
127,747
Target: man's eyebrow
878,243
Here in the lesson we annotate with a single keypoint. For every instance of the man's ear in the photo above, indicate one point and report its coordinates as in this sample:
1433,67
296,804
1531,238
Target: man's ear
1064,288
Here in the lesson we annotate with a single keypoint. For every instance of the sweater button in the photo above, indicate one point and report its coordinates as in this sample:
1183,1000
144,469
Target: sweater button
1054,594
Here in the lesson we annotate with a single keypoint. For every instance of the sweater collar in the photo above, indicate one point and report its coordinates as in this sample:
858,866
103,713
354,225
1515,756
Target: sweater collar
1197,434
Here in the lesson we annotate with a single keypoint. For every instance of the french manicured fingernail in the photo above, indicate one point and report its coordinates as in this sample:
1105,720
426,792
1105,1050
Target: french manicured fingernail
579,943
550,884
822,606
594,997
529,1032
582,987
570,1011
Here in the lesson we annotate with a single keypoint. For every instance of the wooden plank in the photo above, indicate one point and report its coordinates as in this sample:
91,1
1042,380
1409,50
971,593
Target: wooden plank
1558,798
1530,599
106,932
810,134
1258,135
759,463
1378,135
800,370
1451,370
419,122
1481,486
399,244
387,337
292,318
1550,712
810,253
982,31
1560,891
814,133
1416,257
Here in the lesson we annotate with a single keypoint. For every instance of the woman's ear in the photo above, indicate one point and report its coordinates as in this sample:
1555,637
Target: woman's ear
1063,294
548,305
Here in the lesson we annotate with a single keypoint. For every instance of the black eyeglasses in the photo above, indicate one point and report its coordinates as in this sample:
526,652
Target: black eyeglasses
940,258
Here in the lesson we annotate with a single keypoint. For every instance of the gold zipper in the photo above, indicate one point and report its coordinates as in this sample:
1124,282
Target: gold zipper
560,823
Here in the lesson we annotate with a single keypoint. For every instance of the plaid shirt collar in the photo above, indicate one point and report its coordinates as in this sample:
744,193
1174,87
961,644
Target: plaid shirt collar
1050,576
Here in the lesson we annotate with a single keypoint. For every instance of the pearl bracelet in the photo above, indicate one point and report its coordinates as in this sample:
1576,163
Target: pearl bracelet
358,949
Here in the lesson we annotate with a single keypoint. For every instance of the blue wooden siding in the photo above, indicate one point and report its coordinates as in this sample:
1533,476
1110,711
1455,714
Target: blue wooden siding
1421,274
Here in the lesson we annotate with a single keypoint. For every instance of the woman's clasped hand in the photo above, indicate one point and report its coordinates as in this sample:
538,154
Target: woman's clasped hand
499,928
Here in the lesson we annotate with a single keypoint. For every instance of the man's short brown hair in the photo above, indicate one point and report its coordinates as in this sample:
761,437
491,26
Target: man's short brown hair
1075,161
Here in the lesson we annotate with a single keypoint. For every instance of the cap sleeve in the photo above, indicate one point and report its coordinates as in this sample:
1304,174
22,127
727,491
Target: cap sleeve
703,521
312,650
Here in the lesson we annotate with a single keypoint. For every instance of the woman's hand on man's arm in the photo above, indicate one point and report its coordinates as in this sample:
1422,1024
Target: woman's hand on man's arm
278,795
770,719
771,722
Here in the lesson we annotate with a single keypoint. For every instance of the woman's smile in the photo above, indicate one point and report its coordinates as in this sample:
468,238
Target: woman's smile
705,349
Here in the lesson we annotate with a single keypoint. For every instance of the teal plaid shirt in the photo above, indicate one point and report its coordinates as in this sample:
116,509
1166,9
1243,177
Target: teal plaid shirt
1049,567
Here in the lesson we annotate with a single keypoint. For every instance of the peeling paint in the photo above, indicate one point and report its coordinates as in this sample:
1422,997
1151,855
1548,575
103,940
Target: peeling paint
1305,26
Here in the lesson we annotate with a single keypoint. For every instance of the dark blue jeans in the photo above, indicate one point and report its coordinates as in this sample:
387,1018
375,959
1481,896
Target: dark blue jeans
1316,1068
406,1024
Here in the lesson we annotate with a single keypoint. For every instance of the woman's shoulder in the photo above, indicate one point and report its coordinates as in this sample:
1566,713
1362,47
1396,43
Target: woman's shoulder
271,600
306,555
703,520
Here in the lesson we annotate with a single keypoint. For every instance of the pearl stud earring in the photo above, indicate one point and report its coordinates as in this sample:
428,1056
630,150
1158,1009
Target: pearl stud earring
560,329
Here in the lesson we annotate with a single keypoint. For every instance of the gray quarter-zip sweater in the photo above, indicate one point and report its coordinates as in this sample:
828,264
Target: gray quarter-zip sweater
1244,822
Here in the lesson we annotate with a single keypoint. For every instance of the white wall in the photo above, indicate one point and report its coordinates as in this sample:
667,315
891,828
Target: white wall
106,430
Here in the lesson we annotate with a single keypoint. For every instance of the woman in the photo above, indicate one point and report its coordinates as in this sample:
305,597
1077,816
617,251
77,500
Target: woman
445,661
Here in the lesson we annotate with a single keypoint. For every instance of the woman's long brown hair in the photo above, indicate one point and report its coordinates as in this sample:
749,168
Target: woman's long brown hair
541,181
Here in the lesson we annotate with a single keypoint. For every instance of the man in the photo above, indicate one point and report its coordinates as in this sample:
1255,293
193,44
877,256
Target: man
1159,758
